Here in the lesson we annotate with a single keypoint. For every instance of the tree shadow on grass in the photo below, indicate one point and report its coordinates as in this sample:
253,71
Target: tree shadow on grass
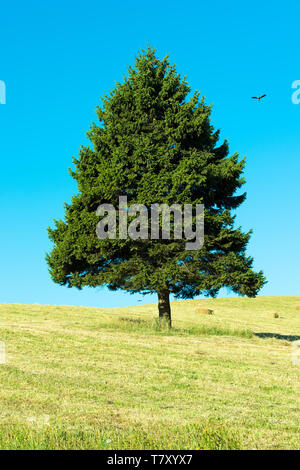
278,336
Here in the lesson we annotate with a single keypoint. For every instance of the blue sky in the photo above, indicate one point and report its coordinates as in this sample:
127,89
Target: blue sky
59,58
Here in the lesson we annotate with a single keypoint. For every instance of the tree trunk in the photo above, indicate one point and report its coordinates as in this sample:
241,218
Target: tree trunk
164,308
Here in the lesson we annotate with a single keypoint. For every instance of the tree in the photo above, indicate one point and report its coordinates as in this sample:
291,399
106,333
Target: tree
155,145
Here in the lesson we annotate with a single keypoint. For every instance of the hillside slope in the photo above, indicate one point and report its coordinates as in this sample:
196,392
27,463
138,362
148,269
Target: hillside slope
78,377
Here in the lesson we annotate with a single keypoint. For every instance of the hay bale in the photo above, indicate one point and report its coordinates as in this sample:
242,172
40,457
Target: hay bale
204,311
276,315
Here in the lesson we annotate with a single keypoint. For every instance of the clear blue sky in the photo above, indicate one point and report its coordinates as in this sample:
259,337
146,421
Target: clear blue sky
59,58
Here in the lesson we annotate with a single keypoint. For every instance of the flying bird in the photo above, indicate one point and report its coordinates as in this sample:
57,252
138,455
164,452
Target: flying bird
258,97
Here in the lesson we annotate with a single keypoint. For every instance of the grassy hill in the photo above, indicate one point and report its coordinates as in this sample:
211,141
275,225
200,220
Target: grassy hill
78,377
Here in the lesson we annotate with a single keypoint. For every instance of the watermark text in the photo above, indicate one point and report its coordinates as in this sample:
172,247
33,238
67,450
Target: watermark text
2,92
144,222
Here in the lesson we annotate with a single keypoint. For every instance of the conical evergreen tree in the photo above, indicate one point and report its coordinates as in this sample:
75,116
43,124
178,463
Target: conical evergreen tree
154,145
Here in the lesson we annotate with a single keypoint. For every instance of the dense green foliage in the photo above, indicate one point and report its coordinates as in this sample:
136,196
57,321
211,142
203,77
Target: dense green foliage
154,144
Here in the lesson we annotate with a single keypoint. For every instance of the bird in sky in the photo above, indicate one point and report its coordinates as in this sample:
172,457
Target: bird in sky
258,97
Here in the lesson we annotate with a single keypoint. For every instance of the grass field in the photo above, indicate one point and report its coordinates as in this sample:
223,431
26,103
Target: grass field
89,378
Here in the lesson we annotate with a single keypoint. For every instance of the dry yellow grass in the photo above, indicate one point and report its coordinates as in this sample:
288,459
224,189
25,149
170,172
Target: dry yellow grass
89,368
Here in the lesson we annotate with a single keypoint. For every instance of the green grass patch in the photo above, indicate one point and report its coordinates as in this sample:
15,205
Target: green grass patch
156,327
133,437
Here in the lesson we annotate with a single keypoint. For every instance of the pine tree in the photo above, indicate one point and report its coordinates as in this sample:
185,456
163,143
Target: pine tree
155,145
